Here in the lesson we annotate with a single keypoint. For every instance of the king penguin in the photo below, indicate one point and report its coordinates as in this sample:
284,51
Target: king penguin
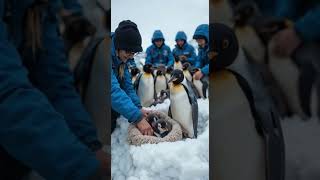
160,82
144,86
184,105
246,133
168,72
200,85
295,74
186,71
134,74
177,64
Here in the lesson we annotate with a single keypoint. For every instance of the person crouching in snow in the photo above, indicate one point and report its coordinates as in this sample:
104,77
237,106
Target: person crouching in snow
201,35
159,53
124,100
183,51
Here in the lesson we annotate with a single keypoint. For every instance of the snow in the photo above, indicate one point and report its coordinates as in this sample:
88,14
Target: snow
187,159
302,148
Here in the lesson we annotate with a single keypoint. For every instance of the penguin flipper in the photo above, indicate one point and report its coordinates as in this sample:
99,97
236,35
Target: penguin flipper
194,105
268,126
205,86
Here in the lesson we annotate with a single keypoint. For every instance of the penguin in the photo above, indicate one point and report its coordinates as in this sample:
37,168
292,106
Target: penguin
245,125
200,85
164,94
77,32
245,15
177,64
160,82
295,76
144,86
184,105
186,71
160,127
221,11
134,74
168,72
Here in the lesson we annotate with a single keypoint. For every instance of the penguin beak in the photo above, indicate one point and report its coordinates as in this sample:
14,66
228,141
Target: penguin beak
172,79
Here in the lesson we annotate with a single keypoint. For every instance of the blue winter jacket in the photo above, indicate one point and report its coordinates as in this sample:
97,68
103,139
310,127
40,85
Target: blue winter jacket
202,58
186,49
162,55
305,14
42,117
124,99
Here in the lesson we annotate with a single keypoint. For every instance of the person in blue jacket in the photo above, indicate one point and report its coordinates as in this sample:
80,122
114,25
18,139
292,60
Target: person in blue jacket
159,53
201,35
124,100
44,126
304,14
183,50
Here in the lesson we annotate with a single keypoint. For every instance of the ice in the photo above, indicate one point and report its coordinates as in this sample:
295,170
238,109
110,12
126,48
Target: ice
186,159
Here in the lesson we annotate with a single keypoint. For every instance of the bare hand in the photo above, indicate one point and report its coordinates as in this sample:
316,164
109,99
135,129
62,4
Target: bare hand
286,42
145,112
144,127
198,75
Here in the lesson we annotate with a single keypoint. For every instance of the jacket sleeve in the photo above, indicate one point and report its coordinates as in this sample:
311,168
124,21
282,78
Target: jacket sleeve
308,26
128,88
55,79
205,69
31,130
149,56
170,58
122,103
131,63
193,56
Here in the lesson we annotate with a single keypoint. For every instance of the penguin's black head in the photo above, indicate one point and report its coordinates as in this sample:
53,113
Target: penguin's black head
135,71
243,12
269,26
169,70
160,72
164,94
223,46
185,66
148,68
176,76
176,59
77,28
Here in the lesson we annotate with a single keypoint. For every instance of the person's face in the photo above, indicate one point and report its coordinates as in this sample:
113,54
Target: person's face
180,42
158,43
125,55
201,42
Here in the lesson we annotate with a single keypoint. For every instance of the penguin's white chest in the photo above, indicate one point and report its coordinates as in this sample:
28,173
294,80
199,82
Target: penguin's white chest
133,79
146,90
168,76
181,109
251,42
161,84
235,138
286,73
199,86
187,75
177,65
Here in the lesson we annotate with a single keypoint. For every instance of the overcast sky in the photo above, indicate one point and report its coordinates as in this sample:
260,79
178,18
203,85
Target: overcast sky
170,16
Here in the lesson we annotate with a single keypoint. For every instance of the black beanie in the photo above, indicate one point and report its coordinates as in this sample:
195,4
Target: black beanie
127,37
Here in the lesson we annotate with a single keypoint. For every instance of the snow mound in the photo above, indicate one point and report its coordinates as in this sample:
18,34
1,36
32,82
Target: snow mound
302,148
187,159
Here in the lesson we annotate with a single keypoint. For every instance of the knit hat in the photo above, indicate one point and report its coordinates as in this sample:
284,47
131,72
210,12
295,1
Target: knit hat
127,37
